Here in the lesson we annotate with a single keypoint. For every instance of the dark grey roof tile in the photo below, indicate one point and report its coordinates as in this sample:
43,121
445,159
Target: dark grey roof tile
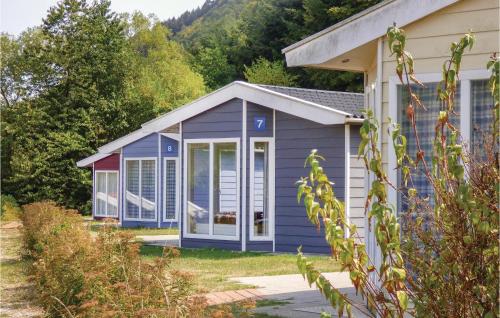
351,103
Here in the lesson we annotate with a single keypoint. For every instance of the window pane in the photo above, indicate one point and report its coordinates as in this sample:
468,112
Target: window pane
112,194
225,189
132,189
425,124
482,111
148,189
260,190
100,194
198,166
170,189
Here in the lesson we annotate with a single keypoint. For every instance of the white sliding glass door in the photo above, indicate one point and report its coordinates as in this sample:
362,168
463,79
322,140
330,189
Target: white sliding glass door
212,189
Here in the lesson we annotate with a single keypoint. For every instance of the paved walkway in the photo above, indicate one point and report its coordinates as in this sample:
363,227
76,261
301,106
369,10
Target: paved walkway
300,300
230,296
160,240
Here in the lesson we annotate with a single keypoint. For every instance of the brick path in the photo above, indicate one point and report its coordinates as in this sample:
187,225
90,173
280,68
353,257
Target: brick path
230,296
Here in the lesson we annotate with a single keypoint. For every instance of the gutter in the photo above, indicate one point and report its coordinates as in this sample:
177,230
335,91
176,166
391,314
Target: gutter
350,120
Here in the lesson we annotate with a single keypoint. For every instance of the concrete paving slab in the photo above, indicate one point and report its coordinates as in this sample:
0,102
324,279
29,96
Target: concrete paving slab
159,240
300,299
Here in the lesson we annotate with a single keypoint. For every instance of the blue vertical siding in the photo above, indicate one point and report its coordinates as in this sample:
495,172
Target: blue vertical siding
223,121
148,147
295,137
169,148
254,110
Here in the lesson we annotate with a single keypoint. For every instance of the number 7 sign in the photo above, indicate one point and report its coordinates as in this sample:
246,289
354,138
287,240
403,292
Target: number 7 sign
259,123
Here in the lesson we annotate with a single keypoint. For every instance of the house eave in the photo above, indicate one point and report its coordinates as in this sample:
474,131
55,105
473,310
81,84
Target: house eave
87,162
360,29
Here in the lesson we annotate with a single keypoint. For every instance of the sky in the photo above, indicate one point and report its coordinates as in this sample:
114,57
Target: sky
17,15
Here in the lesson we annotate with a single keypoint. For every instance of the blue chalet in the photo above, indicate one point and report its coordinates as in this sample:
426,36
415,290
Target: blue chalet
223,168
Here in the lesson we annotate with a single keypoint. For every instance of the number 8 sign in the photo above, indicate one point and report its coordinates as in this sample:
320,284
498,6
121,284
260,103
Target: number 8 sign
259,123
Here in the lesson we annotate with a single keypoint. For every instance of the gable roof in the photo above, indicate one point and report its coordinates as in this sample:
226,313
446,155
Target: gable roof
319,106
359,29
352,103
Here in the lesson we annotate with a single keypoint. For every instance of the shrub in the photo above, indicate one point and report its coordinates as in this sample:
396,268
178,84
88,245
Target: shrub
77,276
10,210
445,261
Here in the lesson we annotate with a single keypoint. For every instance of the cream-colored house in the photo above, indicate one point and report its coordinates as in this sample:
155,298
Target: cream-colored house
359,44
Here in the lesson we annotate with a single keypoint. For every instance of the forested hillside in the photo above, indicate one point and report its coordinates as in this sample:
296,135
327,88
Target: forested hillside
224,36
87,76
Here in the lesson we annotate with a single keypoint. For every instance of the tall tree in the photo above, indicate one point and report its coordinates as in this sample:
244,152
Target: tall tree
161,77
83,78
263,71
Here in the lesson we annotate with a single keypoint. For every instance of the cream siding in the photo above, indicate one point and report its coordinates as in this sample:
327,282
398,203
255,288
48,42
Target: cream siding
429,42
357,194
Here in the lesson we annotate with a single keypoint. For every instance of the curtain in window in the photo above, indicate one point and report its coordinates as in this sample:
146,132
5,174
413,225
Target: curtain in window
225,189
260,190
170,189
425,123
112,194
100,194
481,110
198,188
148,189
132,189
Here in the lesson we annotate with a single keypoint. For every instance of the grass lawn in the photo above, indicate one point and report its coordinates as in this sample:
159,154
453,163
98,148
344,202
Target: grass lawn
213,267
94,226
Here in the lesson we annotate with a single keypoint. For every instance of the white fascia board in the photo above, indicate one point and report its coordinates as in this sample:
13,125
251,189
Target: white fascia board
358,30
91,159
291,105
255,94
245,91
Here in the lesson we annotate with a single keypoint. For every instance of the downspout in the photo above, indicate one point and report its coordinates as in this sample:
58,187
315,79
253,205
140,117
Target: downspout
377,257
347,176
180,216
274,182
93,190
158,182
244,177
120,190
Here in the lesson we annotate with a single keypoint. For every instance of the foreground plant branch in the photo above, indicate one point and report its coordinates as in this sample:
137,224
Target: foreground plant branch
440,256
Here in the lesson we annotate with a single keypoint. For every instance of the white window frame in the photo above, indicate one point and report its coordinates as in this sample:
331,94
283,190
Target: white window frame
270,188
211,142
177,194
465,112
117,193
140,219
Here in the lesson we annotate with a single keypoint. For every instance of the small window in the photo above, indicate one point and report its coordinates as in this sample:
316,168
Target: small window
140,189
106,201
481,110
170,188
260,207
425,121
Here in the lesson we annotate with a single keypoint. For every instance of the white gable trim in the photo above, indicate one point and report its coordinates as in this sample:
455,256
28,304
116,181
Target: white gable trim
255,94
358,30
242,90
90,160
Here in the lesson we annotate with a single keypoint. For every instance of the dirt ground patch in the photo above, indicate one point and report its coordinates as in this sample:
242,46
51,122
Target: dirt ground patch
16,293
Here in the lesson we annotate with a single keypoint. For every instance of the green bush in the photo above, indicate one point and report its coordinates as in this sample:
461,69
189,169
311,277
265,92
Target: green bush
10,210
78,276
